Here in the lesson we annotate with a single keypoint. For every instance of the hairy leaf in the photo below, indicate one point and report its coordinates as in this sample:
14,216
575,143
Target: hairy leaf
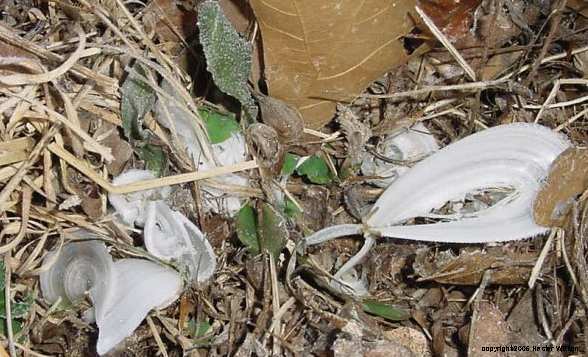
137,99
228,55
154,158
317,53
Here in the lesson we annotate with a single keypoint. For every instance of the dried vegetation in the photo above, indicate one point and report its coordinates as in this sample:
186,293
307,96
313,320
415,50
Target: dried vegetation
478,65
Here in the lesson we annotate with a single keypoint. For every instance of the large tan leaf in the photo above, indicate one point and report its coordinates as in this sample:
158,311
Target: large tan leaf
321,51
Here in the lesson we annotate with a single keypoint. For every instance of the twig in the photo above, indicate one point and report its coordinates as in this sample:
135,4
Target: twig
430,89
553,29
156,336
7,35
445,41
572,119
541,259
476,308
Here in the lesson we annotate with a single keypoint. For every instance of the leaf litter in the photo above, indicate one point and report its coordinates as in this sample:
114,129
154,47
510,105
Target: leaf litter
208,241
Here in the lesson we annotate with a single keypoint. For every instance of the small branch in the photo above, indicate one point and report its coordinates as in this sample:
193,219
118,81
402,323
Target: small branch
445,41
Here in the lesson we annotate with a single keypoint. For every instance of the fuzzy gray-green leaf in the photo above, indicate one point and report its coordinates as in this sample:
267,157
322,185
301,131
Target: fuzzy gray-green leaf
137,99
228,55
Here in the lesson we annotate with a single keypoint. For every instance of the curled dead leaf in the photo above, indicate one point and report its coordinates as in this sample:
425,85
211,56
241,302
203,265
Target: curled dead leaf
567,179
284,118
490,329
509,267
263,140
109,136
316,55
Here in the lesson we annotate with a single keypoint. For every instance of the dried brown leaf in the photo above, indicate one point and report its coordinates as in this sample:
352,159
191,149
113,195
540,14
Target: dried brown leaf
509,267
284,118
490,329
320,53
567,178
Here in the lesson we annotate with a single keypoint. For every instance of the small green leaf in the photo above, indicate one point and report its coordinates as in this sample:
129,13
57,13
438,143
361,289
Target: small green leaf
137,99
273,232
290,209
316,170
202,328
19,309
219,126
290,161
386,311
16,326
247,228
228,55
154,158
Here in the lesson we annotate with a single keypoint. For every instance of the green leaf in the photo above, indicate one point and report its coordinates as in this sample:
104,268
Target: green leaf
316,170
219,126
137,99
228,55
201,329
290,209
386,311
154,158
16,327
290,161
19,309
265,231
273,232
247,228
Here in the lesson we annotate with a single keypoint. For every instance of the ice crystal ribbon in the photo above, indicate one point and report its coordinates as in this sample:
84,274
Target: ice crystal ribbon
516,156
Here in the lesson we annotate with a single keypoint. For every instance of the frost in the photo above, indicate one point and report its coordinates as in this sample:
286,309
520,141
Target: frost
228,152
122,292
168,234
516,157
408,147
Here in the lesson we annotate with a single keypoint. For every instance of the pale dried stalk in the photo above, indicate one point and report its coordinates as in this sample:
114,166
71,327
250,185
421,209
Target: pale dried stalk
156,336
445,41
430,89
90,143
83,167
7,303
7,35
25,165
572,120
16,150
26,79
25,211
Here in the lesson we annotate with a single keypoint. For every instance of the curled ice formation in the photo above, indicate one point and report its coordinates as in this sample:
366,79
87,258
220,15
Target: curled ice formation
229,152
515,156
131,206
121,292
410,146
171,236
167,234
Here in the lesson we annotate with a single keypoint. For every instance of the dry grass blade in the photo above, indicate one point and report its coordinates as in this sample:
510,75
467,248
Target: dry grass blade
24,79
83,167
24,166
